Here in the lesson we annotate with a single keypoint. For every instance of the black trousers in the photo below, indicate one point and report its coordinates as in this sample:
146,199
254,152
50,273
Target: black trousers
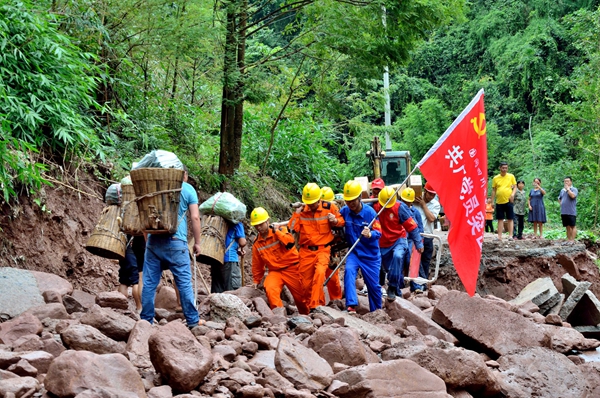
518,226
489,226
426,257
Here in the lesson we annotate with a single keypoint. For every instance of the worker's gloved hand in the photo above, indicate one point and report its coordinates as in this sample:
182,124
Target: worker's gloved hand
366,232
331,218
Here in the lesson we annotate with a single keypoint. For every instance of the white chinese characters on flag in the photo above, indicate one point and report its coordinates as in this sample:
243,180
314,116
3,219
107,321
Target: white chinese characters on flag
456,167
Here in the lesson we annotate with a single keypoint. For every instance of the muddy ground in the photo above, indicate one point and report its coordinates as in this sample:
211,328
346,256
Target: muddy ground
48,233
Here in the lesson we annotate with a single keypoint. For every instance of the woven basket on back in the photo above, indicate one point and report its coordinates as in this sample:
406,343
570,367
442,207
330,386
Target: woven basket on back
212,240
107,240
130,213
157,194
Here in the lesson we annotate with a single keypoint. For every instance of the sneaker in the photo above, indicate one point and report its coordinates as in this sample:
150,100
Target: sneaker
364,291
391,293
383,292
351,310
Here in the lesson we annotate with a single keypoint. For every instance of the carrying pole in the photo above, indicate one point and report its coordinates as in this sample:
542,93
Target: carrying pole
368,226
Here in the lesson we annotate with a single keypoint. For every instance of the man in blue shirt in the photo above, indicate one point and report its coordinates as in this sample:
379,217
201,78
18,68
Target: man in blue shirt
365,255
171,251
228,276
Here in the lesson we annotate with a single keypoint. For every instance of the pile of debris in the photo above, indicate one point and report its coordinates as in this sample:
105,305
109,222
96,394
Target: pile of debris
576,304
69,343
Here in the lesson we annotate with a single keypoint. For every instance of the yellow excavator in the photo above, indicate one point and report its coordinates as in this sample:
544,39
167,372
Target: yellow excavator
391,166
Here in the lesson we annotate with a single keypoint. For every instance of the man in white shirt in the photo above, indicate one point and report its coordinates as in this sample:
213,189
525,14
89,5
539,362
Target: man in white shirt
429,208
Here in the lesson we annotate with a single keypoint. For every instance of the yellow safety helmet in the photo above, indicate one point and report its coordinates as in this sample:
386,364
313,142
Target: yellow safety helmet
385,194
327,194
408,195
352,190
258,216
311,193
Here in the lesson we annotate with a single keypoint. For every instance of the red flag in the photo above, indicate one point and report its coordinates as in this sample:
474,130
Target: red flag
415,263
456,167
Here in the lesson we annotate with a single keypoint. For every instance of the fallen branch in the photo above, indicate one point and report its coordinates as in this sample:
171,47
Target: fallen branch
54,180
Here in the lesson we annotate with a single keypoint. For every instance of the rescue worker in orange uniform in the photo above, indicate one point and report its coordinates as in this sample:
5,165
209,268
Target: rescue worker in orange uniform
274,250
314,222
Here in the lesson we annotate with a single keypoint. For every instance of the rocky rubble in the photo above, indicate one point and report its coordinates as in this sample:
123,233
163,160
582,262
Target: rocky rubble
443,344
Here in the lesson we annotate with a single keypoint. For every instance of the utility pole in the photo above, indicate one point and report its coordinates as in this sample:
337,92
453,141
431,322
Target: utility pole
386,93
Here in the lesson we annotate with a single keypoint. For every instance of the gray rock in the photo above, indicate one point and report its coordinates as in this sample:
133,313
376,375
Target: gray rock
224,306
18,386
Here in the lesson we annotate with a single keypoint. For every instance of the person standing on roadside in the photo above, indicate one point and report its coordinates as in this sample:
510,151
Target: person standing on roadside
568,208
519,209
365,255
172,251
504,187
274,250
537,210
429,208
489,215
228,276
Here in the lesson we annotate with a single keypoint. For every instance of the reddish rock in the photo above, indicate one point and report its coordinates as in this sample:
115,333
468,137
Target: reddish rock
52,296
40,360
87,338
564,340
414,316
52,311
18,386
553,319
112,300
106,392
487,325
262,307
301,365
23,368
46,281
435,292
336,344
76,371
85,299
29,342
166,298
398,378
137,344
227,352
460,369
109,322
269,378
160,392
176,354
18,327
51,346
540,372
591,371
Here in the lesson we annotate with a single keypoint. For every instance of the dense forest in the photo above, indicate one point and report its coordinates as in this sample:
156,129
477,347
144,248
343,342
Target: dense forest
255,92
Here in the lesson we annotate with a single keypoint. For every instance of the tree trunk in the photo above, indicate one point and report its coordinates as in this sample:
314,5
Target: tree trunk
232,104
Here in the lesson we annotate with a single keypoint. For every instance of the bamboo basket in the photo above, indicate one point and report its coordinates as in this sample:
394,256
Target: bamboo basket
157,194
212,240
130,213
107,240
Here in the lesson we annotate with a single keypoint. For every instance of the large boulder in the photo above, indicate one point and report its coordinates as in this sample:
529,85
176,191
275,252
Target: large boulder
398,378
481,323
25,324
540,372
18,291
176,354
337,344
109,322
74,372
137,345
301,365
224,306
86,338
112,300
460,369
166,298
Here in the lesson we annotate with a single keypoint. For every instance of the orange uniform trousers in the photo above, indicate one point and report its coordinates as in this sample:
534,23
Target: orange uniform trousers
314,268
290,277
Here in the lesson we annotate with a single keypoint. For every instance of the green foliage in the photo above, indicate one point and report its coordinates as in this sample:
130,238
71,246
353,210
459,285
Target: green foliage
46,83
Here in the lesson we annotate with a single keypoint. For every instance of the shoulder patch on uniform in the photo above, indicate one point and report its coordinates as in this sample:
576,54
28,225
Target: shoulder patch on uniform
326,205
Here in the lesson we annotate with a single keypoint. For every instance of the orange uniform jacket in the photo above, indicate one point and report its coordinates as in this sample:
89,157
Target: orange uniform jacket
276,251
314,228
